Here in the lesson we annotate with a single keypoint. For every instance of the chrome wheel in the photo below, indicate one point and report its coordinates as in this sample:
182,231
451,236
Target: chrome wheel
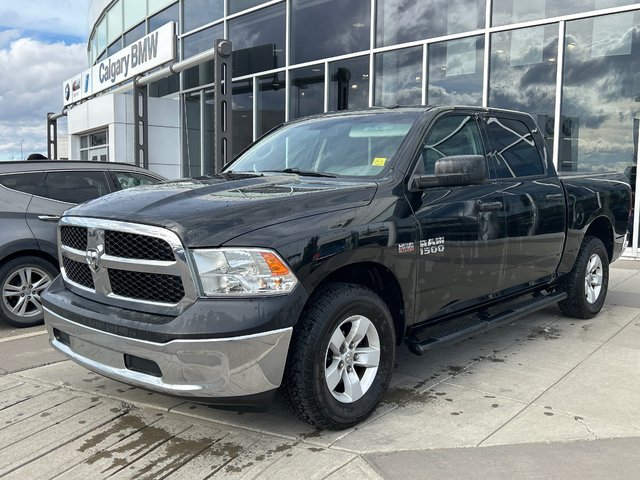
352,359
593,279
21,291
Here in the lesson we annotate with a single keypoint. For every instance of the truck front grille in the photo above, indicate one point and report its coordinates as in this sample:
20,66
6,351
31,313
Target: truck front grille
131,245
129,265
78,272
74,237
153,287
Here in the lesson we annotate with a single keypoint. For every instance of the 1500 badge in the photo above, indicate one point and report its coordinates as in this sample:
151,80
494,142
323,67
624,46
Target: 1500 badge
432,245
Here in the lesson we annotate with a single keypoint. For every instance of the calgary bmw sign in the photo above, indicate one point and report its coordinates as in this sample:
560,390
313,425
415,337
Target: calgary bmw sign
149,52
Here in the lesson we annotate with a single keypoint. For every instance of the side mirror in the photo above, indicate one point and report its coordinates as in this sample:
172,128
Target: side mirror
453,171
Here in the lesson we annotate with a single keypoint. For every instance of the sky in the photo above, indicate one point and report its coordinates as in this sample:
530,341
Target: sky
42,44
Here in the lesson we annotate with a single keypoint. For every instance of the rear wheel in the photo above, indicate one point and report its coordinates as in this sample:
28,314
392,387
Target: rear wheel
341,357
22,281
587,284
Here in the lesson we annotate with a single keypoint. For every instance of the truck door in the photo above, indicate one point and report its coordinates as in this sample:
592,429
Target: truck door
462,227
534,201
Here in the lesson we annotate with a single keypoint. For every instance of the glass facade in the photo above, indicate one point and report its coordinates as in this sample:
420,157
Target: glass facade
572,65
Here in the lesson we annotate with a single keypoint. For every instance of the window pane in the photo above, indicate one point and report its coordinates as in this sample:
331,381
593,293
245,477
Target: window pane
242,115
236,6
161,18
258,41
73,187
399,21
134,12
98,138
84,141
130,179
306,91
600,95
399,77
516,153
349,84
200,12
516,11
455,72
101,36
115,47
523,74
22,182
114,22
451,135
271,99
191,132
326,28
193,44
134,34
155,5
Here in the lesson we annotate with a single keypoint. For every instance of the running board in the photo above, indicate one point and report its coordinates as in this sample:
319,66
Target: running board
482,321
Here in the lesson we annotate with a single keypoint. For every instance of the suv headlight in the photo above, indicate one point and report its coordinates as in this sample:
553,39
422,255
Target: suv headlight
242,272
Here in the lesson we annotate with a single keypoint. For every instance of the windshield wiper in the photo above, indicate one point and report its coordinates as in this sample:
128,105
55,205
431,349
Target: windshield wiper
306,173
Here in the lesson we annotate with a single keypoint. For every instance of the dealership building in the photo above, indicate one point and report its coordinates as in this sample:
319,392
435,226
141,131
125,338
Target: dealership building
574,65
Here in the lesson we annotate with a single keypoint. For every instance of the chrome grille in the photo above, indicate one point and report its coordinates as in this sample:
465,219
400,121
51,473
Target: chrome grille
131,245
124,264
153,287
74,237
78,272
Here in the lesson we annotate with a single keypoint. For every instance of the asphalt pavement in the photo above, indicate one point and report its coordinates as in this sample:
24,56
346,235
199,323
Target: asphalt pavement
542,397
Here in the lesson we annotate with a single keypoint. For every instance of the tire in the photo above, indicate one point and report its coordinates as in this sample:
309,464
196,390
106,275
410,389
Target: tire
21,282
316,358
588,281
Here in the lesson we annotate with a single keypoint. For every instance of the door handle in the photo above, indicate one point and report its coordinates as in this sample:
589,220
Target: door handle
554,197
49,218
489,206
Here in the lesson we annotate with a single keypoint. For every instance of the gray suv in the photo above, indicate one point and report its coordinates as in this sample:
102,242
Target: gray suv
33,195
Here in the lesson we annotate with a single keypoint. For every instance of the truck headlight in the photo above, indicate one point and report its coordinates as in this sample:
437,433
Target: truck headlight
242,272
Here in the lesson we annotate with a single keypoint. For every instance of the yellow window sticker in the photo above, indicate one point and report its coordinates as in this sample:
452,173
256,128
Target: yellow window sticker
379,161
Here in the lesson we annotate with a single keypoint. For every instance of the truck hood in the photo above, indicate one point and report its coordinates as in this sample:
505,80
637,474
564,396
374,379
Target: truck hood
211,211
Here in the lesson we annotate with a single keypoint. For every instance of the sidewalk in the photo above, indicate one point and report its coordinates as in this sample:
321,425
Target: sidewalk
545,396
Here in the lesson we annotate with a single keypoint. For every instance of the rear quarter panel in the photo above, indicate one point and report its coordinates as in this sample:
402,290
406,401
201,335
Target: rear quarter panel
590,197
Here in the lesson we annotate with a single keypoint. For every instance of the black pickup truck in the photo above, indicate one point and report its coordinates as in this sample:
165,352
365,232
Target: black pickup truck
324,246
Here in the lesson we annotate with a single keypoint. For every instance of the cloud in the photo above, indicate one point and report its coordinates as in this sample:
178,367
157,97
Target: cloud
61,17
31,86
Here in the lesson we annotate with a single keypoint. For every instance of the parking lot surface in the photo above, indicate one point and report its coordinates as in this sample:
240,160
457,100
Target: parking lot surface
542,397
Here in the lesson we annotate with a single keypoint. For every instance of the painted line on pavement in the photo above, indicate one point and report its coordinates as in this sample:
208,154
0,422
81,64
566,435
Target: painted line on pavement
24,335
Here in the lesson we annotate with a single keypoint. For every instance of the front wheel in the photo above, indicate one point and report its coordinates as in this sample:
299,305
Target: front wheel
587,283
22,280
341,357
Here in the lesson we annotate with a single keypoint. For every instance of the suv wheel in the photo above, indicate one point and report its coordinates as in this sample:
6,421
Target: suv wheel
341,357
22,281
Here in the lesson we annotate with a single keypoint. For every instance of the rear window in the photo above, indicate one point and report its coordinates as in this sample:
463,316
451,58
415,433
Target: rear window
515,150
73,187
21,182
126,180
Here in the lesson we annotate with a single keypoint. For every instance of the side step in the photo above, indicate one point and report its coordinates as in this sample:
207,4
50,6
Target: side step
482,321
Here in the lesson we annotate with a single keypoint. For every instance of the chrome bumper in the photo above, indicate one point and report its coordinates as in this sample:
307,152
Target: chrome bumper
228,367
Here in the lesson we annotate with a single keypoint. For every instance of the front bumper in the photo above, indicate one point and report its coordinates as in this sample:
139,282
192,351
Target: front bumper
200,369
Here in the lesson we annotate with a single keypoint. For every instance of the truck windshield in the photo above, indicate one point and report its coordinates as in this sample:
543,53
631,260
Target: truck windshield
351,145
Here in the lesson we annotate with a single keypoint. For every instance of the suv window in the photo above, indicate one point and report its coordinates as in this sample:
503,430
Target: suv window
132,179
450,135
516,153
73,187
22,182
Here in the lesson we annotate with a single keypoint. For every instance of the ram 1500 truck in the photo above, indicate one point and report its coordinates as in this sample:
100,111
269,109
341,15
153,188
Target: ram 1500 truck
321,248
